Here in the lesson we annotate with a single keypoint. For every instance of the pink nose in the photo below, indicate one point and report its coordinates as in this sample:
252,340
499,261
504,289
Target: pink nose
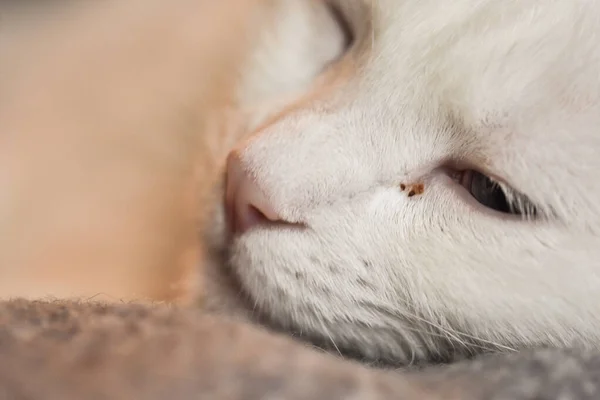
247,205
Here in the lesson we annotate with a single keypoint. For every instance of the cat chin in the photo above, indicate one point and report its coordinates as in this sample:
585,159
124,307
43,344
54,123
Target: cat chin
276,274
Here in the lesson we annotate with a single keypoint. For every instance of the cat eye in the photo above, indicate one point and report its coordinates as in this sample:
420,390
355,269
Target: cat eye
491,194
486,192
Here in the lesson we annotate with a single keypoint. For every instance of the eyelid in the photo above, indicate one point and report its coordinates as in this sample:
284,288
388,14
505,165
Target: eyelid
518,201
506,187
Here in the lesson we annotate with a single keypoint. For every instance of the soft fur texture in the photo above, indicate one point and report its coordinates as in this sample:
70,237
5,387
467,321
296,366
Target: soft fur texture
510,88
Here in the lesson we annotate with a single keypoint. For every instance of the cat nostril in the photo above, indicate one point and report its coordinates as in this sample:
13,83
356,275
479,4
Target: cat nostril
247,205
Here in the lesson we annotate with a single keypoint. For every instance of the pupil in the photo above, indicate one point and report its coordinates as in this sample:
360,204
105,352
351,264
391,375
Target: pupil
489,194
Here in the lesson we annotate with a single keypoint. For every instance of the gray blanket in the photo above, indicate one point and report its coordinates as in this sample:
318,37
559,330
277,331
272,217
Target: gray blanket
77,350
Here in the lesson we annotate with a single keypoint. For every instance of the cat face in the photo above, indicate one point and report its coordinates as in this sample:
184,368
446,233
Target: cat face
437,192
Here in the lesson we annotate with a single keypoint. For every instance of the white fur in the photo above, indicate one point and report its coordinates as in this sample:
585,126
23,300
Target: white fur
510,86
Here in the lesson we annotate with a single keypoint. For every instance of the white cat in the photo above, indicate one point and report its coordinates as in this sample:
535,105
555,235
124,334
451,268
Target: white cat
437,193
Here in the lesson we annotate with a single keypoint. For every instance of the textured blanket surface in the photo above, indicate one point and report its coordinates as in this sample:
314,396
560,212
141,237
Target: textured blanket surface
74,350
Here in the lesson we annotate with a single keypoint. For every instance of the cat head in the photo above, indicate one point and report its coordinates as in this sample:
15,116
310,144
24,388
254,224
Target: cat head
436,191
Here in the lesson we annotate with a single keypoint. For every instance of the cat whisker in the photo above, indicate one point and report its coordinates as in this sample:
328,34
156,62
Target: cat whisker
335,345
453,337
458,335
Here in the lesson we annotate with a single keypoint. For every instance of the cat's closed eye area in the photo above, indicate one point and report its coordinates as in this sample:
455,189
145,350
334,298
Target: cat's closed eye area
493,195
